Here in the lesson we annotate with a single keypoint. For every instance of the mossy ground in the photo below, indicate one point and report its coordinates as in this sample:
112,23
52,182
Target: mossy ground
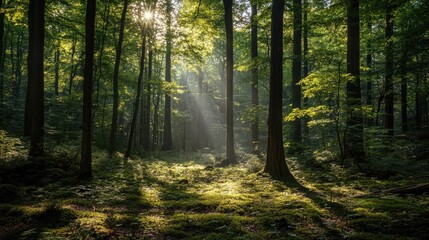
175,196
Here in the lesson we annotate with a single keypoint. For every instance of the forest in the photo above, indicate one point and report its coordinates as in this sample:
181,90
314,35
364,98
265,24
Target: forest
214,119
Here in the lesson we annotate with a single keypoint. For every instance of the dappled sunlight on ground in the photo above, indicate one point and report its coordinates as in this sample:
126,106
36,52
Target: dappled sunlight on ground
155,198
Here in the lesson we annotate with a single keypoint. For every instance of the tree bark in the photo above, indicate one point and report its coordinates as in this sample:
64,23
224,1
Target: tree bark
276,165
167,143
388,97
255,77
145,117
137,101
230,151
2,53
86,161
36,77
57,65
369,91
404,94
114,124
296,134
28,109
306,65
72,66
354,147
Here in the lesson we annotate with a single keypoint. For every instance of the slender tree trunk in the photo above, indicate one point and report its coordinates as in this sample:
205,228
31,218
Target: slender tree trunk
255,77
418,102
2,53
18,69
404,86
155,141
388,97
369,91
114,124
28,103
230,151
137,101
72,67
57,67
276,165
145,127
167,143
36,77
296,135
86,161
354,147
101,53
306,65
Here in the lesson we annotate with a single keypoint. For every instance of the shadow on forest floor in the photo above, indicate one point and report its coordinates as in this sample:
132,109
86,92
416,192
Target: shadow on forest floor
176,196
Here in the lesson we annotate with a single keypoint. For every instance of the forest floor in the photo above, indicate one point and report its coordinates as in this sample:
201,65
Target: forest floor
182,196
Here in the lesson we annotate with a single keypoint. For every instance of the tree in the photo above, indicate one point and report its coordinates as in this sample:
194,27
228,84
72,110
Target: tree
86,161
114,124
296,134
230,151
1,53
36,15
306,67
255,75
137,100
354,136
275,164
167,143
388,97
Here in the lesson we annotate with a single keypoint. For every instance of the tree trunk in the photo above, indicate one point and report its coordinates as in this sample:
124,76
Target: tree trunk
28,103
418,101
36,76
404,85
57,65
388,97
100,54
354,147
2,53
137,101
255,77
86,161
276,165
167,143
306,65
369,91
296,135
72,66
114,124
145,127
230,151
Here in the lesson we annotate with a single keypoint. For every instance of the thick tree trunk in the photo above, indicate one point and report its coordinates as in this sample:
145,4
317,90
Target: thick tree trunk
388,97
137,101
296,134
114,124
167,143
230,151
276,164
36,77
354,147
255,77
86,161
